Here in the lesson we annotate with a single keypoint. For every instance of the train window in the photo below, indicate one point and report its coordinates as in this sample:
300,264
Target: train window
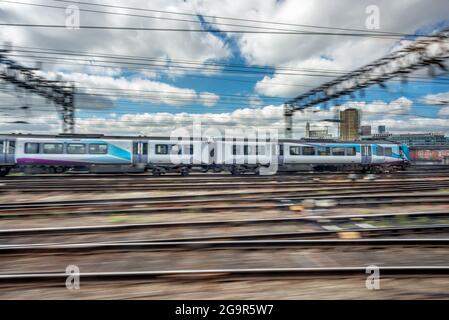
98,148
248,150
350,151
237,150
12,147
188,149
338,151
1,146
308,151
76,148
145,148
388,152
135,148
176,149
53,148
380,151
31,147
281,149
260,150
295,150
161,149
324,151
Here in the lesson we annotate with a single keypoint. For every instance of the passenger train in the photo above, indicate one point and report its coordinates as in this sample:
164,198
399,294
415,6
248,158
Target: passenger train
62,153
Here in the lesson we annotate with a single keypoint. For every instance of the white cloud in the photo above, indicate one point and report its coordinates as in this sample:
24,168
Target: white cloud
132,89
326,54
444,112
208,99
436,99
400,106
268,117
306,51
274,86
255,101
160,47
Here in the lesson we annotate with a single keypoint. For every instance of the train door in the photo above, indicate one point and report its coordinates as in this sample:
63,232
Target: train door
280,153
2,151
7,151
10,151
140,152
366,153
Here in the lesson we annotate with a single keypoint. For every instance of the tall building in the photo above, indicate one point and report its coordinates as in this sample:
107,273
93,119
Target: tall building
381,129
365,130
349,124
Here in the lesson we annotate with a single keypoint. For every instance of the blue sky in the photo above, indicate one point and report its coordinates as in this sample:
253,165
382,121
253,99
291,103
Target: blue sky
228,84
225,97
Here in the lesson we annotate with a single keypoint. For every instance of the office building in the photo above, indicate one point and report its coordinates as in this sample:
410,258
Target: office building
349,124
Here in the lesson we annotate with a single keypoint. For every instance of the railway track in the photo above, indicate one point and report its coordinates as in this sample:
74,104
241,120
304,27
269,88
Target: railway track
263,256
313,245
312,227
329,244
201,274
109,185
224,202
374,232
413,170
311,189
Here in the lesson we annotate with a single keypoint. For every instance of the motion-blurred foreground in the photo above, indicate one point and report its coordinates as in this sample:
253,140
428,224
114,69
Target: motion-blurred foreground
214,236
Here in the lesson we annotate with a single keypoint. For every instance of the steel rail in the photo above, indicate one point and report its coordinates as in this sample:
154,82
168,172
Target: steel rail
320,234
223,197
242,244
102,186
201,274
312,219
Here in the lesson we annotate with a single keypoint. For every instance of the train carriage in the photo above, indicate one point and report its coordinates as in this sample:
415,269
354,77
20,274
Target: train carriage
356,155
243,155
161,154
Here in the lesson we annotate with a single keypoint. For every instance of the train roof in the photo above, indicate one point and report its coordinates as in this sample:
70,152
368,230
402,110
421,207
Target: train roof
83,136
338,141
142,137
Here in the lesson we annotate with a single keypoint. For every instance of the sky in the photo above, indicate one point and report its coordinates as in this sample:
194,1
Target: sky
148,82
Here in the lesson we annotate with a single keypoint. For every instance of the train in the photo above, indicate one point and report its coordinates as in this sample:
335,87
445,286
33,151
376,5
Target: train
159,155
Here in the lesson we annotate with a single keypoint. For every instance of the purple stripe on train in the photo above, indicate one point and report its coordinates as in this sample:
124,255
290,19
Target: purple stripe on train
23,161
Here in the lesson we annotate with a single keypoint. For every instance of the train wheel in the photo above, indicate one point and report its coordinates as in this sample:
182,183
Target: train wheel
184,172
4,171
156,172
235,172
205,169
59,169
380,170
